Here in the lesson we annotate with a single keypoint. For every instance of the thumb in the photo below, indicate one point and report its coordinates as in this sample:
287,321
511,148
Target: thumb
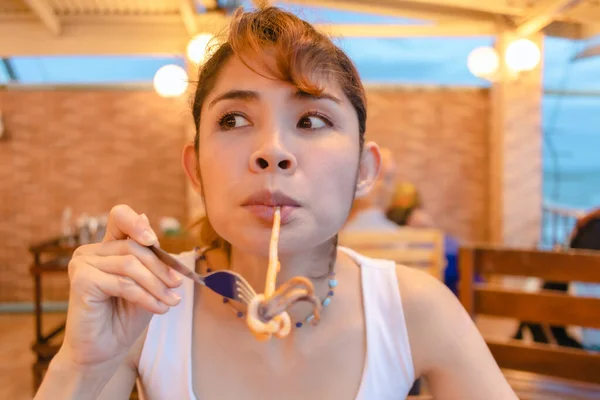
124,222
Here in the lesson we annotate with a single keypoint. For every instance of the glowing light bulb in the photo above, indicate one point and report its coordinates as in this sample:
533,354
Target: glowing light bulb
198,48
170,81
483,62
522,55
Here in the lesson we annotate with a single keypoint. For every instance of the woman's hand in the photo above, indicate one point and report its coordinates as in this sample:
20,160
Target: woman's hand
116,287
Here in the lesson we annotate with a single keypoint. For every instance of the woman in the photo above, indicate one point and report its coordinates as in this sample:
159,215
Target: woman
280,120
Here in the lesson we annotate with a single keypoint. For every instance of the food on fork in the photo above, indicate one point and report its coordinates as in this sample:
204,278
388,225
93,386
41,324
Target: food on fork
267,313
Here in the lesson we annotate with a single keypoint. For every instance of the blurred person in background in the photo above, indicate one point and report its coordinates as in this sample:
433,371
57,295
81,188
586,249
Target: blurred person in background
585,235
406,209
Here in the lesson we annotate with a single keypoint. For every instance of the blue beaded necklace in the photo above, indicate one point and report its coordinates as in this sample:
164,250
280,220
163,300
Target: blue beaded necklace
331,282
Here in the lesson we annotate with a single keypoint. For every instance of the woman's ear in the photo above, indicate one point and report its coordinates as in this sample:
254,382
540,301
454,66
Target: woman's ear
190,166
368,169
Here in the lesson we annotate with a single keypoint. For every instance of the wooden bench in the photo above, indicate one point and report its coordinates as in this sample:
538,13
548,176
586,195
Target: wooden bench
546,306
414,247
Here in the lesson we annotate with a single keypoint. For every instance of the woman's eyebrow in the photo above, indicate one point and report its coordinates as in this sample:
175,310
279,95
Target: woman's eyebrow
300,94
246,95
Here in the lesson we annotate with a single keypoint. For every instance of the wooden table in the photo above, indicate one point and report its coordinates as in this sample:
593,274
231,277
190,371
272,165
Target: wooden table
49,257
529,386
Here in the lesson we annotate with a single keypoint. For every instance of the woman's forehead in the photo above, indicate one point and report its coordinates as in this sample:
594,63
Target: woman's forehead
257,77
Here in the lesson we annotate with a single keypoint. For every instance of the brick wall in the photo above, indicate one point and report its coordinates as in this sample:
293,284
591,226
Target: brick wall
93,149
440,140
88,150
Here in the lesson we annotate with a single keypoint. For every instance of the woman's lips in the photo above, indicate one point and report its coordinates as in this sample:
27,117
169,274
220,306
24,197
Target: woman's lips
266,213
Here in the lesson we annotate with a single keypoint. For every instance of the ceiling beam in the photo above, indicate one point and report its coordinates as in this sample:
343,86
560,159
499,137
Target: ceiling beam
593,50
541,16
187,10
457,29
373,9
483,6
166,35
572,30
103,35
46,14
417,9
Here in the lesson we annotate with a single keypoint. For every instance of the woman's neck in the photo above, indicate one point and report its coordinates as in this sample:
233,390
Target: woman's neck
314,263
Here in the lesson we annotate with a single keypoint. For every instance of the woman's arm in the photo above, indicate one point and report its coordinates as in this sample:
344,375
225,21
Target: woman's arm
67,381
447,348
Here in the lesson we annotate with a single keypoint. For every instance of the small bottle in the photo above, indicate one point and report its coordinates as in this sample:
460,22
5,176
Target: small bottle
83,229
68,238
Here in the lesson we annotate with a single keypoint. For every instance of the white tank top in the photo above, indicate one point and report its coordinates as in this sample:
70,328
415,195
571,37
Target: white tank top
165,367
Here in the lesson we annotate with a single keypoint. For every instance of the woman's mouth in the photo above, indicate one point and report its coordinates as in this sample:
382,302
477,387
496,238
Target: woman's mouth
262,205
266,212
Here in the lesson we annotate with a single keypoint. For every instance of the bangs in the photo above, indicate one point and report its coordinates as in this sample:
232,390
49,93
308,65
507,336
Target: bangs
289,49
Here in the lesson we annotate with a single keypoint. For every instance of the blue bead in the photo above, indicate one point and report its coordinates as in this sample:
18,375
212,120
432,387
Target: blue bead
240,314
225,300
330,293
326,302
310,318
298,324
333,283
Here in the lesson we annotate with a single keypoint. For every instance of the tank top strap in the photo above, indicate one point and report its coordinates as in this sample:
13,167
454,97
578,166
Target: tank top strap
389,371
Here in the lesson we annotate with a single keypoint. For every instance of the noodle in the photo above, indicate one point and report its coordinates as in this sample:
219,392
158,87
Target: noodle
267,313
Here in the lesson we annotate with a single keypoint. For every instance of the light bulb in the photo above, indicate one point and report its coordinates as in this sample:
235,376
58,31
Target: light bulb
483,62
522,55
198,48
170,81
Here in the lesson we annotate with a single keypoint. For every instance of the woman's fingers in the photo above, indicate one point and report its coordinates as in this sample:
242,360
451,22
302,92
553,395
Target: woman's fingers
122,266
129,247
130,267
117,286
124,222
148,259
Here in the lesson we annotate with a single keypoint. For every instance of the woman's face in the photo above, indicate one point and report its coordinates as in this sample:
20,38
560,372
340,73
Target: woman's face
263,144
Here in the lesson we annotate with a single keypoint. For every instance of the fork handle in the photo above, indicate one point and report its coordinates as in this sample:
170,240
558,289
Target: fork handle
176,265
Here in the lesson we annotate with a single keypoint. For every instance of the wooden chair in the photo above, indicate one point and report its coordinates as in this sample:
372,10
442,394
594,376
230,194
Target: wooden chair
546,306
178,244
413,247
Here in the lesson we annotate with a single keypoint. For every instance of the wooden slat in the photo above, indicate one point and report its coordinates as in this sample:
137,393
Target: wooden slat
546,306
406,236
466,259
420,248
403,256
563,266
565,363
530,386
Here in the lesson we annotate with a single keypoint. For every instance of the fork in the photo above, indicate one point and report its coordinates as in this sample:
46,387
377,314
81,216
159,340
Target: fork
228,284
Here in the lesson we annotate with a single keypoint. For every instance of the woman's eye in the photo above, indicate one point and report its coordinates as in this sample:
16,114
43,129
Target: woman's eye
313,122
232,121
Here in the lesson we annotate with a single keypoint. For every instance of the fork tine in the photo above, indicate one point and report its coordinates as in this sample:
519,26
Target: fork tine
242,298
244,283
248,290
243,292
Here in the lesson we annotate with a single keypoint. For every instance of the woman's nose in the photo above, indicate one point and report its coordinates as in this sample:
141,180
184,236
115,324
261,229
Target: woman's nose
272,156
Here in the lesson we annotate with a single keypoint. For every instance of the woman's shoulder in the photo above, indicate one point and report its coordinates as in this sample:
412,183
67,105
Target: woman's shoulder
432,312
